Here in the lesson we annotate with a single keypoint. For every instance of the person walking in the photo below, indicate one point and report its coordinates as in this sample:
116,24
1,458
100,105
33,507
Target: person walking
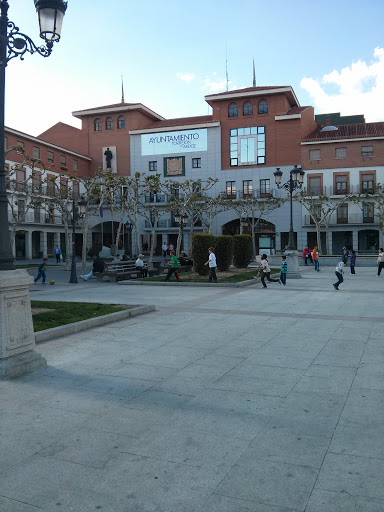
284,270
266,272
339,274
41,271
352,262
315,258
140,265
174,268
57,253
212,266
164,248
98,267
307,255
345,255
380,262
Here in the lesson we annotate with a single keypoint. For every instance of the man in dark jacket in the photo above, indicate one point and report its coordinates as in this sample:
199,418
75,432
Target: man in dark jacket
98,266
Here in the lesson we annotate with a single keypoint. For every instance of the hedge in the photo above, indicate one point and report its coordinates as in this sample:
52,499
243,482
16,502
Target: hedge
223,251
242,250
200,245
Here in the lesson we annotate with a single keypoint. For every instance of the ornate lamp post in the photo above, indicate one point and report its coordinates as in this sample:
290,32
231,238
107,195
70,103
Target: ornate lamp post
17,339
296,180
77,213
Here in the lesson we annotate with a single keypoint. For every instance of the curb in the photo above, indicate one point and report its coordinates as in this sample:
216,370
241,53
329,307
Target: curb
175,283
63,330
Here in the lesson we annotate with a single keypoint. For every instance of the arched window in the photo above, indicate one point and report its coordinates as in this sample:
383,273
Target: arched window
120,122
232,110
109,123
263,107
247,109
97,125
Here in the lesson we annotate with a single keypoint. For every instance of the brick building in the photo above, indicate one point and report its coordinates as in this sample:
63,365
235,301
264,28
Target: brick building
249,133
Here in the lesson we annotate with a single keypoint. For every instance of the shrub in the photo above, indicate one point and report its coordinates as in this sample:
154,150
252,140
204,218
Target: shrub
242,250
200,245
223,250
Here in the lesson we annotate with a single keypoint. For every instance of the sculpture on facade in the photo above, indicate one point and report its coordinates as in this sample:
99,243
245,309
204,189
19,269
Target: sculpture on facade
108,157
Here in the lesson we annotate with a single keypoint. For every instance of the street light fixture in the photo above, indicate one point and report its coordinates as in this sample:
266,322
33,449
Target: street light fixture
296,180
17,339
77,213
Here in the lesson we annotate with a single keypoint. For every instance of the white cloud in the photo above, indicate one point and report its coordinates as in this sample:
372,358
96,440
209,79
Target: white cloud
216,84
361,89
186,77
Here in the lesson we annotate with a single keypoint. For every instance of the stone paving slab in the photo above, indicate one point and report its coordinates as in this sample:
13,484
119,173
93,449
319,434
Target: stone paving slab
230,400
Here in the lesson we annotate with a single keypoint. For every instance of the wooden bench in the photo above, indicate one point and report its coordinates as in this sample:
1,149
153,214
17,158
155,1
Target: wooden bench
121,270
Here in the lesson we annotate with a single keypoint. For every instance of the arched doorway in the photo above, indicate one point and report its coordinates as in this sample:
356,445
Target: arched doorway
265,232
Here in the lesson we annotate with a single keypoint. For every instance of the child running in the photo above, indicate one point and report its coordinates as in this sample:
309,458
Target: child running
266,273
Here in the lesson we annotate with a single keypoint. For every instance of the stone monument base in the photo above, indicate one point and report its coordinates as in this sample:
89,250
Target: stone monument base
293,265
20,365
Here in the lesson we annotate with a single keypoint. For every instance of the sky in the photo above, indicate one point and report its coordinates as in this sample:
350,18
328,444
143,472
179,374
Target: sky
173,53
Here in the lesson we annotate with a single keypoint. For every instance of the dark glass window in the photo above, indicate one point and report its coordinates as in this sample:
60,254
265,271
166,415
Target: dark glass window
232,110
97,125
263,107
120,122
196,163
109,123
247,108
153,166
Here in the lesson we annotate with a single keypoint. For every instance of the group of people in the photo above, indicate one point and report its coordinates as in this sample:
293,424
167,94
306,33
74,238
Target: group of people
312,257
167,249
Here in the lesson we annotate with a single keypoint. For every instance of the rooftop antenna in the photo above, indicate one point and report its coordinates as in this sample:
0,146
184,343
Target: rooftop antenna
226,65
122,89
254,73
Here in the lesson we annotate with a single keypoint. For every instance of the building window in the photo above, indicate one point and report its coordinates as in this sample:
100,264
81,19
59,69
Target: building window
342,214
247,146
36,214
20,209
50,157
316,214
20,180
75,190
231,190
341,184
265,188
247,189
314,185
36,181
314,154
75,165
232,110
109,123
63,162
120,122
63,188
340,153
367,151
368,212
36,153
153,166
196,163
263,107
51,185
247,108
20,146
5,142
97,125
367,183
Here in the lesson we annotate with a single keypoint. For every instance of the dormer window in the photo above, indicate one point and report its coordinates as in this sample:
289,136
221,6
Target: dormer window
247,108
263,107
120,122
97,125
109,123
232,110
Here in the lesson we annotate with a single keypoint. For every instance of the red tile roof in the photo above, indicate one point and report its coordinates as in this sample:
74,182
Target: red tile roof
347,131
180,121
108,106
293,110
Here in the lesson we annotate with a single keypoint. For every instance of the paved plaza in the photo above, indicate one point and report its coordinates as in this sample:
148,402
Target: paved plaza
223,400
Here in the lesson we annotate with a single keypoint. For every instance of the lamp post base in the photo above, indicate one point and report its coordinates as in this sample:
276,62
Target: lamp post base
17,337
293,264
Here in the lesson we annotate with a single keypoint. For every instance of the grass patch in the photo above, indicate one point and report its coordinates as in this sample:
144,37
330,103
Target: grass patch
64,313
223,277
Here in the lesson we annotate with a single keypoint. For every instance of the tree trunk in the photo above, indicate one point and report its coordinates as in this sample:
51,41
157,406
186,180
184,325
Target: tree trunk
178,244
137,243
84,248
67,245
118,236
153,241
318,237
253,237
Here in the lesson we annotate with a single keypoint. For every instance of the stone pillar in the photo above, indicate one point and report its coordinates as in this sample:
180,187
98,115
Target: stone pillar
28,245
17,338
330,242
56,239
43,243
355,240
380,238
293,265
277,242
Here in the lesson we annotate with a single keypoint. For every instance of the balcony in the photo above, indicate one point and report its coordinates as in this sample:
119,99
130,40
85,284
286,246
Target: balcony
253,194
156,198
355,219
335,191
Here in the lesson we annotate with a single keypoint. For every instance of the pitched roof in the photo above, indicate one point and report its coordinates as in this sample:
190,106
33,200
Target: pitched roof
293,110
250,89
347,131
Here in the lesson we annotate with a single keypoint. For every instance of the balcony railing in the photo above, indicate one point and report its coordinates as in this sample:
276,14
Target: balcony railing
352,219
336,191
257,194
35,189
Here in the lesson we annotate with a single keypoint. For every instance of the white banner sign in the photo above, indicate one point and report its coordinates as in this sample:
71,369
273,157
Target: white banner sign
165,143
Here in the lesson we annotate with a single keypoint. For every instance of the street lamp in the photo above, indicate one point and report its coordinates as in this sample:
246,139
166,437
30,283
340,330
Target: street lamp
17,339
296,180
77,213
182,221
